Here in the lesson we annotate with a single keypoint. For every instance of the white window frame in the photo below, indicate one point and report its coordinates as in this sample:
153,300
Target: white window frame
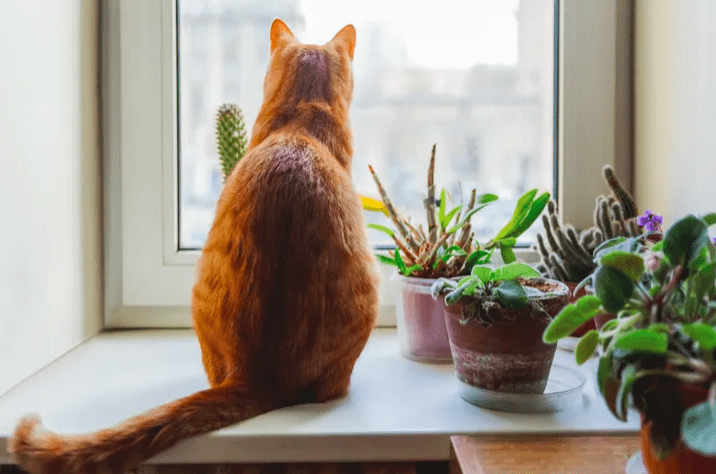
148,282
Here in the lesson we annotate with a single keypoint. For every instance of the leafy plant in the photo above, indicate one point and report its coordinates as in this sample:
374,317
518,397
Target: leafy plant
664,293
448,247
485,289
230,137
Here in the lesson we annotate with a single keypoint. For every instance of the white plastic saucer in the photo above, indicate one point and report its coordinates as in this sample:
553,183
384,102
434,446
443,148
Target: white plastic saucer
564,390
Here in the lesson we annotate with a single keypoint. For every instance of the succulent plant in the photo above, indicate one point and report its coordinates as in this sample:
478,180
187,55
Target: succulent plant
230,137
448,247
567,253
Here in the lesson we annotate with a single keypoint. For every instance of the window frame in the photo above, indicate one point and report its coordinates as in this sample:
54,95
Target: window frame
148,281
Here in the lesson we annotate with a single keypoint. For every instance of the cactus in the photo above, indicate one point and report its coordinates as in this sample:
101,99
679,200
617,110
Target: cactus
566,253
230,137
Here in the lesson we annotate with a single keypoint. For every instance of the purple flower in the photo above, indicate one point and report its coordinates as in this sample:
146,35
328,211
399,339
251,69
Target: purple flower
714,240
650,220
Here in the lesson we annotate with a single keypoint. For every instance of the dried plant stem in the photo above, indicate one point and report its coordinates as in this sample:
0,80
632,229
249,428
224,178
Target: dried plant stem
430,201
393,214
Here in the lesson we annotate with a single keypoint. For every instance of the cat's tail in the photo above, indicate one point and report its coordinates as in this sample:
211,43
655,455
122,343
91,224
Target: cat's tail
125,446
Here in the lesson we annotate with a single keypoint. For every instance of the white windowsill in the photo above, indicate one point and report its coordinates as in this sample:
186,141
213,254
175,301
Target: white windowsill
397,409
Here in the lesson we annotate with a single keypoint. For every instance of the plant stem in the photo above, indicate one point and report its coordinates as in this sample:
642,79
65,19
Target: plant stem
393,214
430,201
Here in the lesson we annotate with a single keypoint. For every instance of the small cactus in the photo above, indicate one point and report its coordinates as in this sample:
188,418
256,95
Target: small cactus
230,137
566,252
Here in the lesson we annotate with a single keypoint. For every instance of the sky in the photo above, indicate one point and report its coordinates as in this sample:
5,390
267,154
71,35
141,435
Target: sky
437,33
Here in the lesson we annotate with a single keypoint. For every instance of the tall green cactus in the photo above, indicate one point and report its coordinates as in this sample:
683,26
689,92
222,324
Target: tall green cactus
230,136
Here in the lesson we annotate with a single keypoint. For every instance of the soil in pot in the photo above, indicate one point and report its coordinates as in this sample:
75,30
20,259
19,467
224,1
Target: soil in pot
422,334
681,460
508,355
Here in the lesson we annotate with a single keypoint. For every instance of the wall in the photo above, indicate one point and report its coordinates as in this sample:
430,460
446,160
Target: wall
675,106
50,231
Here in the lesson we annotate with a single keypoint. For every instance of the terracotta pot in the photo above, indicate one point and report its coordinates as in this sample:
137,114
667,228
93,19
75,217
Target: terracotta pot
681,460
587,325
420,320
507,356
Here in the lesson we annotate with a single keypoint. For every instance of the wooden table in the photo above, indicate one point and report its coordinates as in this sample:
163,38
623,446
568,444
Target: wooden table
542,454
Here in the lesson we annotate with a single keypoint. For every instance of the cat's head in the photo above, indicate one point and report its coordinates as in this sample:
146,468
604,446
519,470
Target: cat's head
305,72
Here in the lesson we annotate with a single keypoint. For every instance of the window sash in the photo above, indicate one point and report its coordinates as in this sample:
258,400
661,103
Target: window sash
148,281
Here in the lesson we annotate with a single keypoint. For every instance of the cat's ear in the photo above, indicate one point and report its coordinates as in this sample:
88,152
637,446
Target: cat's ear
346,38
278,31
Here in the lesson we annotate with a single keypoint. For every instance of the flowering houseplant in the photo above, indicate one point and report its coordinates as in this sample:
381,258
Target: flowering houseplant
662,346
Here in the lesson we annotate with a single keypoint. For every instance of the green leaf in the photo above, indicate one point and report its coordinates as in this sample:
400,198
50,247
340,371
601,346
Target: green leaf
709,219
659,327
444,223
464,219
704,280
642,340
386,260
683,240
632,265
535,210
613,288
570,318
698,429
483,273
400,263
441,209
457,293
412,268
511,294
508,256
382,228
623,244
486,198
658,246
521,210
702,333
585,347
515,270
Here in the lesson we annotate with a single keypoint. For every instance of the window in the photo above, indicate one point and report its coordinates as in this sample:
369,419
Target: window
491,113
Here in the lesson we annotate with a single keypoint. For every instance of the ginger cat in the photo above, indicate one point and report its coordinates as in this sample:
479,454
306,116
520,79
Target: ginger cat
287,290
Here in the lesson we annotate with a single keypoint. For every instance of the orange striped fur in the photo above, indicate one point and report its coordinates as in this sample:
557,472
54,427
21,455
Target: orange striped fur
287,290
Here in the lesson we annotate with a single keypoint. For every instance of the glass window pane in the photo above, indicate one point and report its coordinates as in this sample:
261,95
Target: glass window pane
473,76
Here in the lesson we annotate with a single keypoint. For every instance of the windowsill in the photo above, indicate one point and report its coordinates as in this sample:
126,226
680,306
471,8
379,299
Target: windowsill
396,409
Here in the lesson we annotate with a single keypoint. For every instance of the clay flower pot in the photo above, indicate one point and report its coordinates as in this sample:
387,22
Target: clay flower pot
422,334
681,460
509,355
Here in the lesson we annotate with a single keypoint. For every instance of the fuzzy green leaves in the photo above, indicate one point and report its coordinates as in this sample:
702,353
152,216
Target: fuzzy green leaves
613,287
585,347
683,240
698,428
632,265
511,294
703,334
643,340
571,317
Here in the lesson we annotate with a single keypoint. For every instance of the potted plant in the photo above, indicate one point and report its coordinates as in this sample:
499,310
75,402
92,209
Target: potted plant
661,349
447,248
495,320
567,254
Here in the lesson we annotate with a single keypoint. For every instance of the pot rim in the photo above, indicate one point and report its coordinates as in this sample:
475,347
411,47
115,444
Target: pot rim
561,292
